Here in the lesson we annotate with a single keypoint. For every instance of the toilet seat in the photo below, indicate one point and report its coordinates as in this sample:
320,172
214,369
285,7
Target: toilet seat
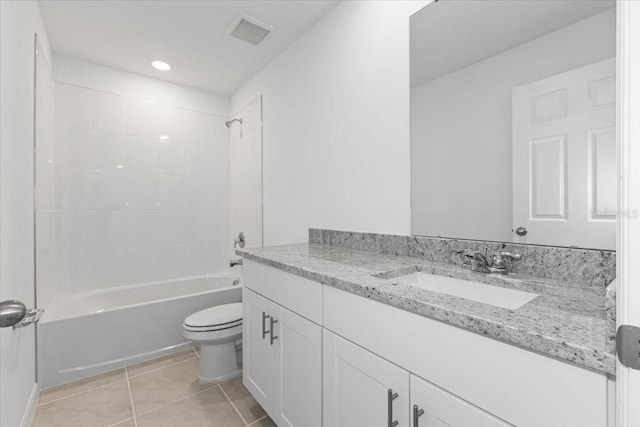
218,318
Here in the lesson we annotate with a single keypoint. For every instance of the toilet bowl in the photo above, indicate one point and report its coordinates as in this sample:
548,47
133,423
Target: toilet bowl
218,331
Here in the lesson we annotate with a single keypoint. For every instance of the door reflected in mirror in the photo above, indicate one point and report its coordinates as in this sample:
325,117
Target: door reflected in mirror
513,133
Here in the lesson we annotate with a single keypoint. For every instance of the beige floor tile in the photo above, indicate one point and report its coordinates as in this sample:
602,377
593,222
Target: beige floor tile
128,423
243,401
65,390
206,409
161,362
102,406
163,386
265,422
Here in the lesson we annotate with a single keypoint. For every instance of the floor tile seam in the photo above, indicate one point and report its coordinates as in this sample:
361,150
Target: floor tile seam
163,367
80,392
232,405
133,409
258,420
173,401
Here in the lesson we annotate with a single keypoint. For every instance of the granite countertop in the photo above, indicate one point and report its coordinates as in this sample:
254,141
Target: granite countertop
566,321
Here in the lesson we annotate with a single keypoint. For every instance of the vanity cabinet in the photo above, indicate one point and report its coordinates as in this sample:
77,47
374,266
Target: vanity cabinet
360,388
282,355
340,359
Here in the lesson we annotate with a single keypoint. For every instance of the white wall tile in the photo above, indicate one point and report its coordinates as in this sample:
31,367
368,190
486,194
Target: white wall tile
142,228
109,151
197,160
73,230
108,112
170,158
74,271
141,154
108,268
142,191
140,265
171,123
74,189
109,230
142,118
109,190
199,128
198,193
73,147
172,227
45,186
72,106
170,192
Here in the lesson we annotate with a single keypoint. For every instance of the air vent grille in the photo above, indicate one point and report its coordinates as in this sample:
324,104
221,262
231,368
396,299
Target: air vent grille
249,30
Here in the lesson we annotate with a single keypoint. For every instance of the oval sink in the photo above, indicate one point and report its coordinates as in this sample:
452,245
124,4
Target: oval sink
480,292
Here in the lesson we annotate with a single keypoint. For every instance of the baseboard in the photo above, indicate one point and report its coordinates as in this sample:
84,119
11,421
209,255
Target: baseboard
27,418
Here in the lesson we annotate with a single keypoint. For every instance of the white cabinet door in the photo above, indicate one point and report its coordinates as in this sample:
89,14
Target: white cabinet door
432,406
257,350
564,158
361,389
298,371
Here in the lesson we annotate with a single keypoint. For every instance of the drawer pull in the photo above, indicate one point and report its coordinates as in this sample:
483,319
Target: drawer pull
391,396
273,337
417,413
264,324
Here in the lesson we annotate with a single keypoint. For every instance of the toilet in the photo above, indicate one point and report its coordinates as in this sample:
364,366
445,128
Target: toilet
218,331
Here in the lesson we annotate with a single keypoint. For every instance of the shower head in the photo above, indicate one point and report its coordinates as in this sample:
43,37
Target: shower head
228,123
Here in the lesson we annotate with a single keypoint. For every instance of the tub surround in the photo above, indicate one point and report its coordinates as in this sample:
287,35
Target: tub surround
567,321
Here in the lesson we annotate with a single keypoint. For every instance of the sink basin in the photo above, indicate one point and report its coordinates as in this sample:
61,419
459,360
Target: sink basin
480,292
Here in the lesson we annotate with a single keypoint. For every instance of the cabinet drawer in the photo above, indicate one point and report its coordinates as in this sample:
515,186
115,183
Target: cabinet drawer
300,295
502,379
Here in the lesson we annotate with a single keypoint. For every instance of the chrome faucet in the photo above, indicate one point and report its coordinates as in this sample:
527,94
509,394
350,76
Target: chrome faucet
234,262
478,262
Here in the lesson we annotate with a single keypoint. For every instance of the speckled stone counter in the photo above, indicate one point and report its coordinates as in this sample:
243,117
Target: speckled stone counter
567,320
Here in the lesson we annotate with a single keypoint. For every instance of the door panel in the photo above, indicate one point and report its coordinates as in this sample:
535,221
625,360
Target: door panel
356,385
564,164
298,371
258,353
443,409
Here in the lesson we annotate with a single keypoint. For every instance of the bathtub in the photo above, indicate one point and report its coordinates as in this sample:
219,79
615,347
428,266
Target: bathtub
85,334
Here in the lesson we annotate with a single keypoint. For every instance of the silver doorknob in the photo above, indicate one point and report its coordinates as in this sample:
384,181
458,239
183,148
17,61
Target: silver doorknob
521,231
11,312
14,313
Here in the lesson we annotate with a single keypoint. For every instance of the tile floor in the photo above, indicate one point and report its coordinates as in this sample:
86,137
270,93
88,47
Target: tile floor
158,393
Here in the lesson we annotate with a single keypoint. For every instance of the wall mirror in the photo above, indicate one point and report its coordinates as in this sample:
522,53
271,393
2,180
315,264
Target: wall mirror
513,119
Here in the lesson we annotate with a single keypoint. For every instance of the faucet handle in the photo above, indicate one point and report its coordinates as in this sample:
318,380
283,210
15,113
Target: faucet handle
498,261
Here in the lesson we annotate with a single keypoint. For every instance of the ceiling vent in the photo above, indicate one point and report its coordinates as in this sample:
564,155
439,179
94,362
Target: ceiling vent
249,29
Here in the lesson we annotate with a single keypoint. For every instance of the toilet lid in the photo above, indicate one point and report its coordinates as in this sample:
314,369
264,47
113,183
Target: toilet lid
226,314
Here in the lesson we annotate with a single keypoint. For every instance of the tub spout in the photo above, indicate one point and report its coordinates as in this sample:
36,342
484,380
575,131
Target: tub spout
234,262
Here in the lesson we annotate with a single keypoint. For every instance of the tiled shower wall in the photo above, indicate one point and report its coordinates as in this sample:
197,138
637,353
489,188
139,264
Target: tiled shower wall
141,191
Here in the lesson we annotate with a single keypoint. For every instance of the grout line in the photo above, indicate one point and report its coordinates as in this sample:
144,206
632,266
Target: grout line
234,406
197,354
123,421
133,409
175,401
77,393
258,420
162,367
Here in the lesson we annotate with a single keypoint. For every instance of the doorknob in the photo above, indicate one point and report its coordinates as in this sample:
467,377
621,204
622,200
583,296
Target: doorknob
14,313
521,231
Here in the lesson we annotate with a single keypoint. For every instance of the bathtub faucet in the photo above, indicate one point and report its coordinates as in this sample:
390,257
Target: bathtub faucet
234,262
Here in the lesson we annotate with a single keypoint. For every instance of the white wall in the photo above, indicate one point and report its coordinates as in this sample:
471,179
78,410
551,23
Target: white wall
141,185
336,124
461,130
19,20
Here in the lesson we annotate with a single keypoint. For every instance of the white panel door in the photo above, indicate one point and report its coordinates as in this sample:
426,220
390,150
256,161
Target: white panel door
356,387
432,406
564,158
298,371
257,350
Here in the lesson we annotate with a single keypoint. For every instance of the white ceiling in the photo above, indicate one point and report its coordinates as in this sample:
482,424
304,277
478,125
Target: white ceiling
189,35
452,34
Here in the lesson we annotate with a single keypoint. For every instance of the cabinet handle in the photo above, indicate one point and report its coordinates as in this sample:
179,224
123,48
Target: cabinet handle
273,337
264,324
417,413
391,396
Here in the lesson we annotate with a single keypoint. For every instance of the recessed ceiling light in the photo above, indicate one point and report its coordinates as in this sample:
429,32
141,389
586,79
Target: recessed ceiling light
164,137
161,65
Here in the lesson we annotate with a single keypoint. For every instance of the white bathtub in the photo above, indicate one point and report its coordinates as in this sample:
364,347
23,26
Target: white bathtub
89,333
